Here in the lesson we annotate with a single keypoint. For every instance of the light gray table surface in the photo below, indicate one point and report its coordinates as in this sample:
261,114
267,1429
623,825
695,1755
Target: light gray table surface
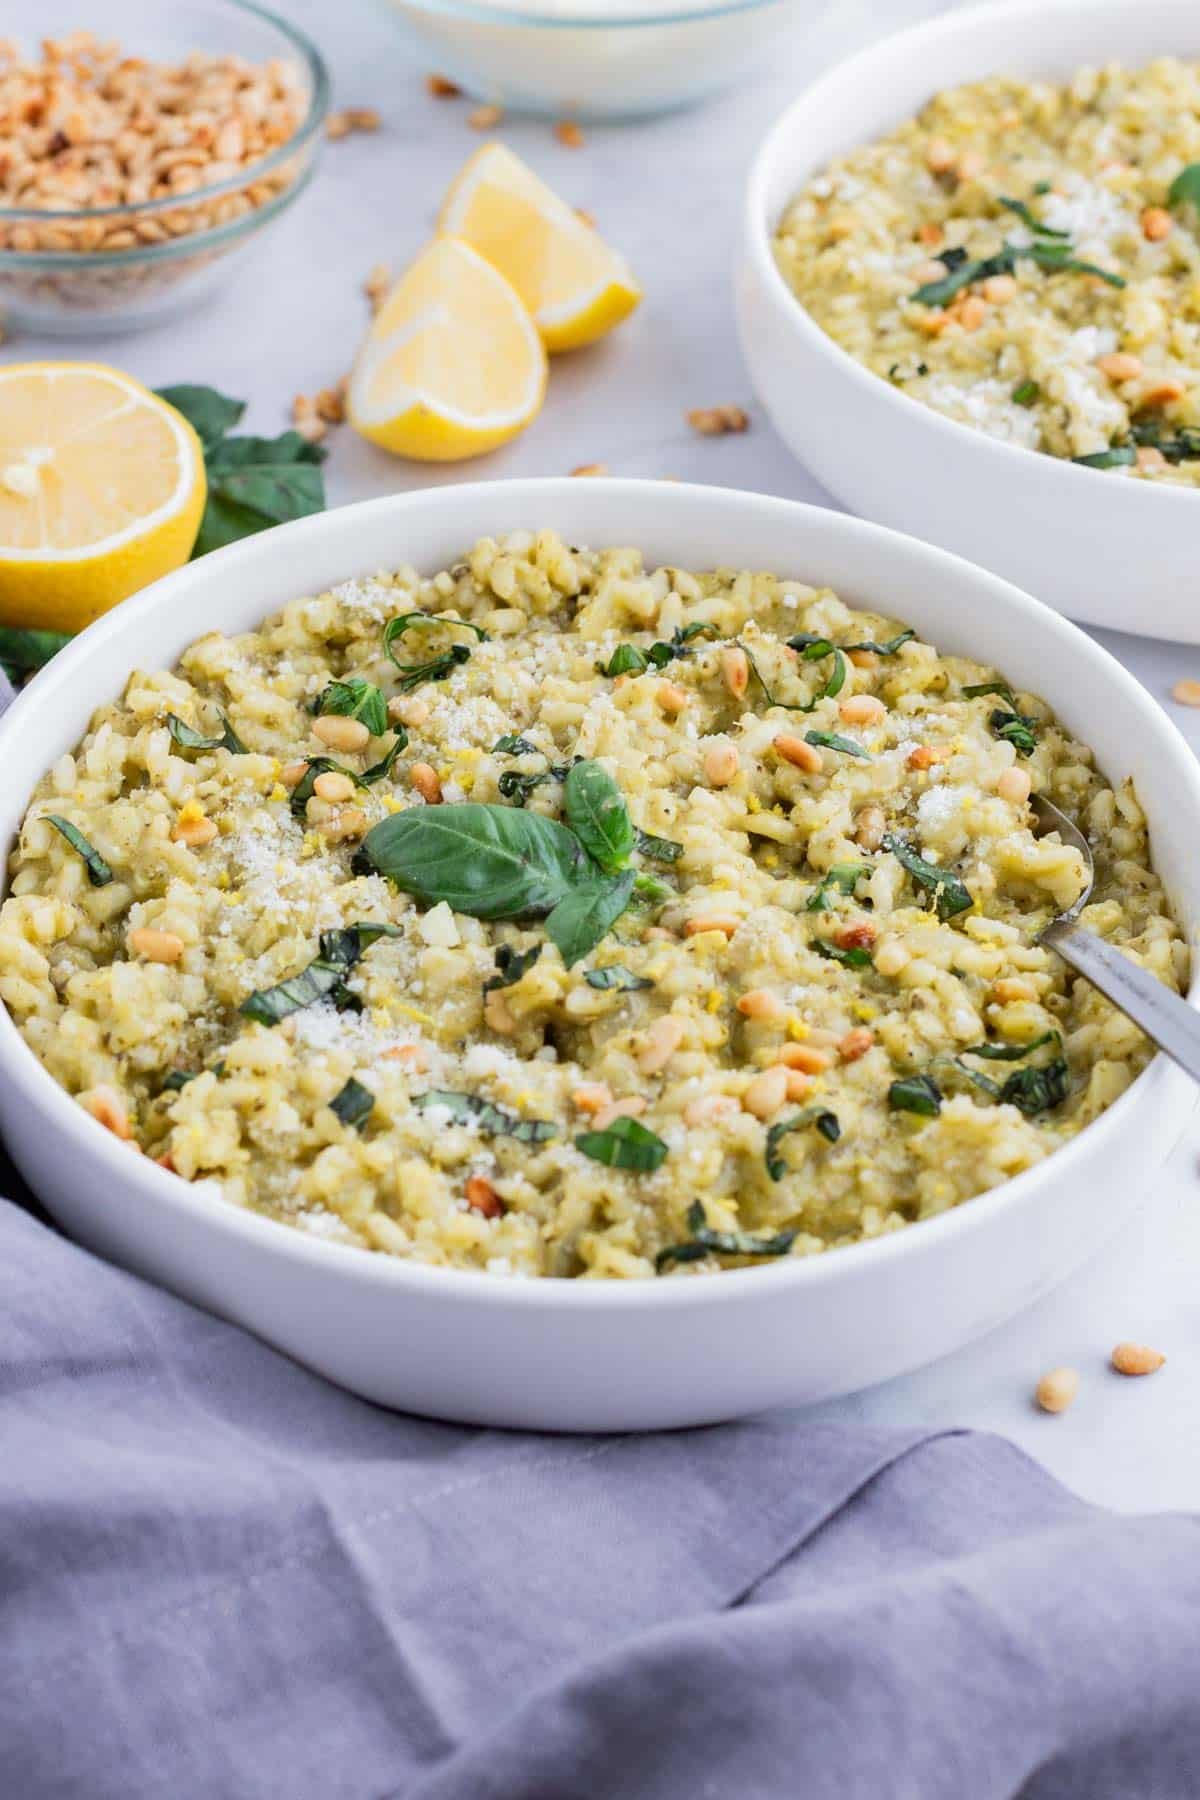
668,192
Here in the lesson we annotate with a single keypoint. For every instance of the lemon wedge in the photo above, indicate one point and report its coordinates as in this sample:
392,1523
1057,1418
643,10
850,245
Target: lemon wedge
452,365
101,490
575,287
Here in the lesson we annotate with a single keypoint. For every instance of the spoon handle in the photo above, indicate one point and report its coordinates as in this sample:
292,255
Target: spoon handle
1166,1019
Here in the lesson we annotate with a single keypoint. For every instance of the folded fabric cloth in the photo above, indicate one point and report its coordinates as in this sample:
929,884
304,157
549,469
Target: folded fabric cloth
220,1576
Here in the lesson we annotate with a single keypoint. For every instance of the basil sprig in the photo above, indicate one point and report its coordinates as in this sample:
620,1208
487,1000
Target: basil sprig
99,873
706,1242
625,1144
842,878
826,1123
438,667
324,978
355,698
353,1103
188,738
950,894
486,1116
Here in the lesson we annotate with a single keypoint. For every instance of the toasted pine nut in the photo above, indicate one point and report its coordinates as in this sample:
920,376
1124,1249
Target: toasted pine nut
929,234
1150,458
862,709
154,946
350,822
292,774
1000,289
339,733
1120,365
932,320
671,698
726,922
629,1108
856,1043
940,156
869,827
108,1109
660,1043
1163,393
424,778
1136,1359
592,1097
804,1056
735,667
497,1014
412,1055
1014,785
863,659
933,270
925,755
408,709
582,470
1055,1391
720,764
485,118
567,132
441,87
972,312
1157,223
482,1197
801,755
333,786
1187,693
1011,989
798,1084
767,1092
762,1003
970,164
855,937
194,832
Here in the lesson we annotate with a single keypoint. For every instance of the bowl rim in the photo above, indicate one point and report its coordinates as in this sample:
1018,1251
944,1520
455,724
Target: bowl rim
910,43
318,106
285,545
504,13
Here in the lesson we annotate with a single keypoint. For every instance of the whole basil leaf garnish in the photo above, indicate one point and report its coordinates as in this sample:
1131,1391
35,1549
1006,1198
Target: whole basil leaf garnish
491,862
188,738
842,878
706,1242
616,975
596,812
209,413
826,1123
355,698
829,740
587,913
324,978
353,1103
486,1116
950,894
625,1144
99,873
254,483
916,1094
511,965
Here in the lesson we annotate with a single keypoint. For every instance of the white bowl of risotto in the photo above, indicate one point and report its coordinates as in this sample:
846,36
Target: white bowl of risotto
534,970
969,295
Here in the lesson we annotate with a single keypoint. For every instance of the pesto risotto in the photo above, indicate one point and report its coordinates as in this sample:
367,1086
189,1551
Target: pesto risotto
1025,258
553,916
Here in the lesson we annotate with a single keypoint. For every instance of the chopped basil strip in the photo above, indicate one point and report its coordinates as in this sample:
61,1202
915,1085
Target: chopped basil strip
1016,728
302,793
486,1116
22,651
99,873
826,1123
706,1242
853,958
511,965
516,786
1054,258
189,739
178,1079
916,1094
1034,1091
511,745
355,698
324,978
1184,446
659,849
1120,456
950,894
1029,218
1185,189
829,740
981,688
437,668
812,649
625,1144
596,812
842,878
1010,1052
1026,393
616,975
352,1103
628,659
892,644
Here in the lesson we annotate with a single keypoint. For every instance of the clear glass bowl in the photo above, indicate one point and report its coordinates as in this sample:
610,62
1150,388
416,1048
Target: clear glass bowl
72,271
607,60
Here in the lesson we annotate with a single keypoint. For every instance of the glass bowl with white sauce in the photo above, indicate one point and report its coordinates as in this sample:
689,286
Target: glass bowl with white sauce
596,59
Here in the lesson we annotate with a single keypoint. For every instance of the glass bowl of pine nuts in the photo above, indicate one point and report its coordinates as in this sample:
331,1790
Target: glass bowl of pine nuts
136,167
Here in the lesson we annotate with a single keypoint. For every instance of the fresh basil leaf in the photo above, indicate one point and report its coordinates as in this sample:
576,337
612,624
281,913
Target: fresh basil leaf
625,1144
842,878
1026,393
209,413
353,1103
355,698
254,483
511,745
616,975
658,849
511,965
1034,1091
950,893
916,1094
1010,1052
491,862
1118,456
596,812
587,913
1185,189
324,978
177,1079
486,1116
188,738
1029,218
829,740
980,688
826,1123
1058,259
626,659
853,958
99,873
21,652
346,943
706,1242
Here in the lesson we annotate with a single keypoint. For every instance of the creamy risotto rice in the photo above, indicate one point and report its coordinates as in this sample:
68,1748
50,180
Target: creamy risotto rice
1025,258
612,921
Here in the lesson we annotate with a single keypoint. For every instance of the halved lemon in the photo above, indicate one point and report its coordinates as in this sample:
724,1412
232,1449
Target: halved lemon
101,490
575,287
452,365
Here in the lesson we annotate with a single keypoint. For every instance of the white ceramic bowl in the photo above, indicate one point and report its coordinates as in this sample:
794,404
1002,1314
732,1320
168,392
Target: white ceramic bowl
1099,547
579,1355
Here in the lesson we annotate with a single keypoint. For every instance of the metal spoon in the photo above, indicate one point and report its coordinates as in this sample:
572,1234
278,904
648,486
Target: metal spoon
1165,1018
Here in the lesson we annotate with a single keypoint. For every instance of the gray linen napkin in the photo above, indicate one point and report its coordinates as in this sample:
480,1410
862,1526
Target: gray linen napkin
220,1576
